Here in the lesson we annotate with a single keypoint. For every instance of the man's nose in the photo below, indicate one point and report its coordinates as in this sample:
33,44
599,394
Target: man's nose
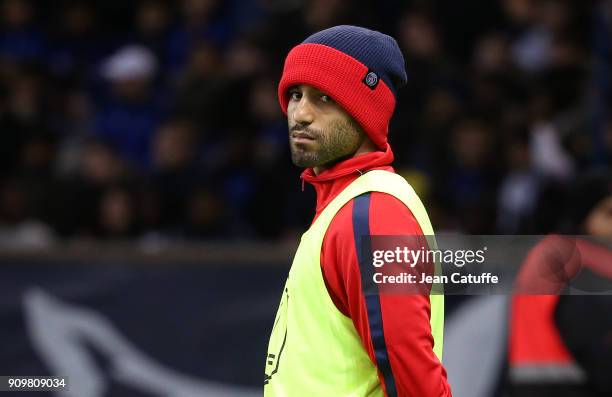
303,112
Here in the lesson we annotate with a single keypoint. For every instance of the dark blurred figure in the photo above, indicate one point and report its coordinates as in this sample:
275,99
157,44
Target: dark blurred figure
496,82
175,148
607,141
116,217
270,152
430,89
26,207
202,20
78,43
518,192
323,14
76,205
269,127
17,228
589,208
469,180
204,90
20,39
28,96
11,136
127,119
152,22
206,215
245,59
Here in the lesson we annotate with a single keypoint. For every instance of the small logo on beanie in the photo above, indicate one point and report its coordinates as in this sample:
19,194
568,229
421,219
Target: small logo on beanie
371,79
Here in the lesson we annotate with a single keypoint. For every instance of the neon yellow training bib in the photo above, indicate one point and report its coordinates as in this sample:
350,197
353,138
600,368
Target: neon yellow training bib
314,349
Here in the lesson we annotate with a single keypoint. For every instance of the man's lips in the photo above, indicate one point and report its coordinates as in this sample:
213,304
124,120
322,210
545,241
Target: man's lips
301,136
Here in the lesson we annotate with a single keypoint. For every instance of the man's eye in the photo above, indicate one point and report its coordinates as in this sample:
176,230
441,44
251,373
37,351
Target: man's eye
326,98
295,96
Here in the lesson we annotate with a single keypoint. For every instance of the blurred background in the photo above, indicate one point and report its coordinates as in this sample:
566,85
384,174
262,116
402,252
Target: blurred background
159,119
131,125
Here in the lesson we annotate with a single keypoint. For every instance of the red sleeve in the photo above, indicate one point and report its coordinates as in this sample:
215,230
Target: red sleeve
402,346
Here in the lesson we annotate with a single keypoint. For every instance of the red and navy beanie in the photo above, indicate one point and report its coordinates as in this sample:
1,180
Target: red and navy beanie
360,69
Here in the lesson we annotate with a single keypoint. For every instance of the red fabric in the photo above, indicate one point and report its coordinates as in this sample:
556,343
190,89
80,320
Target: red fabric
596,258
409,342
340,76
534,338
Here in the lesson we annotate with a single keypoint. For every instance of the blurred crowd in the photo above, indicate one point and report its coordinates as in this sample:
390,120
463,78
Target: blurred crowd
159,119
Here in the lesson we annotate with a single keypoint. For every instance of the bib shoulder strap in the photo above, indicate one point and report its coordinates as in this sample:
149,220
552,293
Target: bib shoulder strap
385,182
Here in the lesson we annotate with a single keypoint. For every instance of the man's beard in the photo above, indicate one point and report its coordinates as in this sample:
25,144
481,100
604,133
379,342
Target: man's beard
340,142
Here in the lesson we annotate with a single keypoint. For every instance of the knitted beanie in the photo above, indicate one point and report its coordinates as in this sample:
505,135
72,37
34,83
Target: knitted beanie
360,69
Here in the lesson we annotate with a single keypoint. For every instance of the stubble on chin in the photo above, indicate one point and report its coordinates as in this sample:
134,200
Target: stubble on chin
304,160
343,141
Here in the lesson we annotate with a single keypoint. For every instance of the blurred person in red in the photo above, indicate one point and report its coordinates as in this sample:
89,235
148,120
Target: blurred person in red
540,360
